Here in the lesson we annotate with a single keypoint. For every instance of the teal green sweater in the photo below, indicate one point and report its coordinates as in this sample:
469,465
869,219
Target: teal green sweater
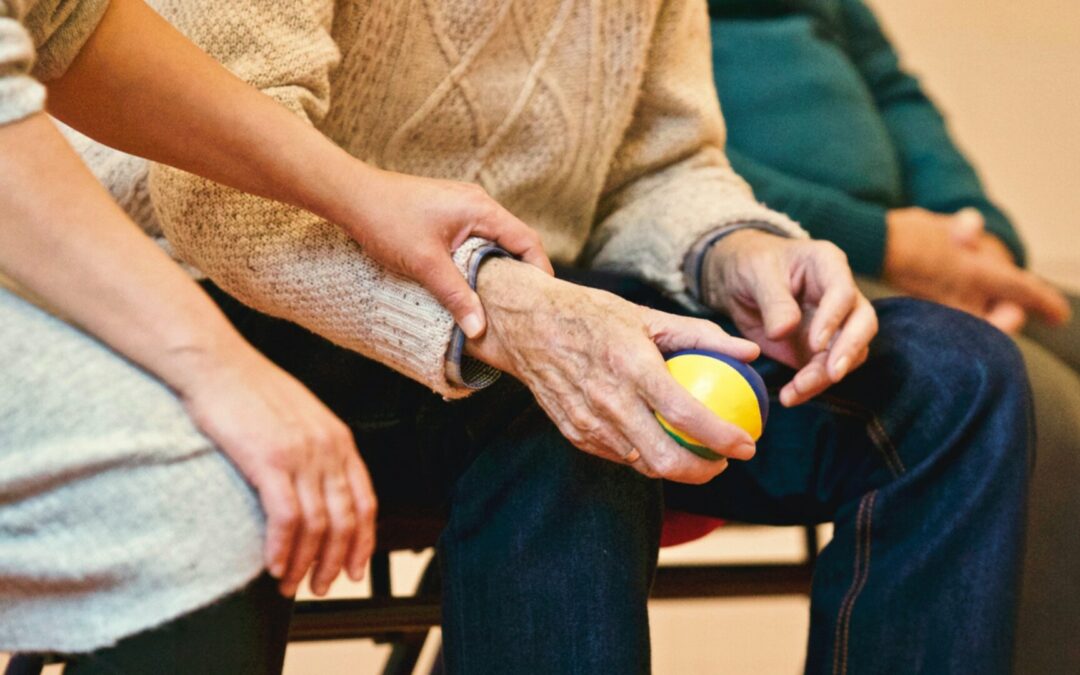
826,126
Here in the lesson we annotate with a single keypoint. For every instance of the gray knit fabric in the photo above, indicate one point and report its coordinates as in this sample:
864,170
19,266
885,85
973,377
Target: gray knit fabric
116,514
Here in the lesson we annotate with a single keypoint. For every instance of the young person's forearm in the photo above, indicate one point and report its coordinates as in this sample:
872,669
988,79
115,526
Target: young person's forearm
65,241
140,86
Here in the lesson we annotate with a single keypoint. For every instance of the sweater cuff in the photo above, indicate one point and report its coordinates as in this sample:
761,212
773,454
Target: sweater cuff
20,94
63,33
463,370
694,263
20,97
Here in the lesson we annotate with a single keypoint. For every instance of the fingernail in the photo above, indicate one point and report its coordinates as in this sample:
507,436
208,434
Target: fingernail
472,325
747,449
841,367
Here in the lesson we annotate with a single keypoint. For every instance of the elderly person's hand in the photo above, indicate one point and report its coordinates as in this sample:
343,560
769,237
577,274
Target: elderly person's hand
797,299
301,459
949,258
594,363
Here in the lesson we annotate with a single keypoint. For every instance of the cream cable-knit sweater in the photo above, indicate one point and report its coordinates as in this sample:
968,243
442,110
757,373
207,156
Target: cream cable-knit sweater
594,121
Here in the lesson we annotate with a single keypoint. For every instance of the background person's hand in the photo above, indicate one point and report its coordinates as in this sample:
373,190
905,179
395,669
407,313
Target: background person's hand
412,225
302,460
594,363
797,299
950,259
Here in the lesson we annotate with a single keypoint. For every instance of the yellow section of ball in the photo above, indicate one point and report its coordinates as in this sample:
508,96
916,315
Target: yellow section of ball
721,388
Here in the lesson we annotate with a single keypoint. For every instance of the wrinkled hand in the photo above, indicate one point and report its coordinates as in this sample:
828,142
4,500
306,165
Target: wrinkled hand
797,299
412,225
594,363
950,259
315,490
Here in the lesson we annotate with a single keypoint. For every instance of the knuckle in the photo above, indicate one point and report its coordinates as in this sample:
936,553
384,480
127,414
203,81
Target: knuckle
344,436
678,414
287,515
665,465
346,523
316,522
581,418
367,508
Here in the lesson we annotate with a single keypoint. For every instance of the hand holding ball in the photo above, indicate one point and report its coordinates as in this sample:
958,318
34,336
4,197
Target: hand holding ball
728,387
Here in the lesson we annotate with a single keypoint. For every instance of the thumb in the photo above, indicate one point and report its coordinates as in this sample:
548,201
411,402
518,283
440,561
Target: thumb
966,226
441,277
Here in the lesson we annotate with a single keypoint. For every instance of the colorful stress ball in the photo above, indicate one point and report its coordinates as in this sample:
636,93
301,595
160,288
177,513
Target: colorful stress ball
728,387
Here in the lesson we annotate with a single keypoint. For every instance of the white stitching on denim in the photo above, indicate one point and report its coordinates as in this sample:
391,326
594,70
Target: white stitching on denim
865,576
858,582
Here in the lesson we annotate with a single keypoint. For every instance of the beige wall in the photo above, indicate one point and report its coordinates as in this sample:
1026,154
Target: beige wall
1007,74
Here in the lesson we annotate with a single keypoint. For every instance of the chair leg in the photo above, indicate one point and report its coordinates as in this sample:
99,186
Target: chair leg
812,544
406,651
25,664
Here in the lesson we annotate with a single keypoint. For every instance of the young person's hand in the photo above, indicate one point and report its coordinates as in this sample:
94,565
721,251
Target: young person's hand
302,460
797,299
412,225
951,259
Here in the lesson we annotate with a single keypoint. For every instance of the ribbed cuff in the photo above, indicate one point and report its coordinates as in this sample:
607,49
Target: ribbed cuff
463,370
694,263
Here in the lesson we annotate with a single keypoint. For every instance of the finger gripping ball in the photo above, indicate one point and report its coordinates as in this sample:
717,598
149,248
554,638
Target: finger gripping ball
728,387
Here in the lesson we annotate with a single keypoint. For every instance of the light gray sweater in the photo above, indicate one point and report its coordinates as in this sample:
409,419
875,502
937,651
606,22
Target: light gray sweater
116,514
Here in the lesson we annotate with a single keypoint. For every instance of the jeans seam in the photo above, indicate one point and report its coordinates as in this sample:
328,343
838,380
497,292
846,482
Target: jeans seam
874,429
863,530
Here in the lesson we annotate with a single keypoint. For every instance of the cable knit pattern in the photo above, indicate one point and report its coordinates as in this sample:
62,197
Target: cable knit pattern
594,122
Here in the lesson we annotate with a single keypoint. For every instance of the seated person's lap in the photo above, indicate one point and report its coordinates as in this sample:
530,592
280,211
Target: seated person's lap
111,493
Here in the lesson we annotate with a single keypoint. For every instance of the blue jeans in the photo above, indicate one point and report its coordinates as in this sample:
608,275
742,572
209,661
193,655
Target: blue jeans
920,458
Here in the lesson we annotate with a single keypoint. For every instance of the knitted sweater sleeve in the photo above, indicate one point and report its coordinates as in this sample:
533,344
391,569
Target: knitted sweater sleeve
281,260
38,41
937,176
671,184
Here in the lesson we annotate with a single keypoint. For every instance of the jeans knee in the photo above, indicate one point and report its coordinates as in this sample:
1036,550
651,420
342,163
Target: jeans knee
958,380
961,354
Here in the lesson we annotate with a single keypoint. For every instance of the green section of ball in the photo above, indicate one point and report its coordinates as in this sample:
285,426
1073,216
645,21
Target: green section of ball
699,450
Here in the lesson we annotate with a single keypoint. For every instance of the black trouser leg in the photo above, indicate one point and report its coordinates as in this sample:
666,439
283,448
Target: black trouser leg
242,634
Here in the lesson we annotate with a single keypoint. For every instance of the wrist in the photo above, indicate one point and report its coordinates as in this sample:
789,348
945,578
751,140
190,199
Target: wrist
900,247
190,363
510,291
717,258
344,191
